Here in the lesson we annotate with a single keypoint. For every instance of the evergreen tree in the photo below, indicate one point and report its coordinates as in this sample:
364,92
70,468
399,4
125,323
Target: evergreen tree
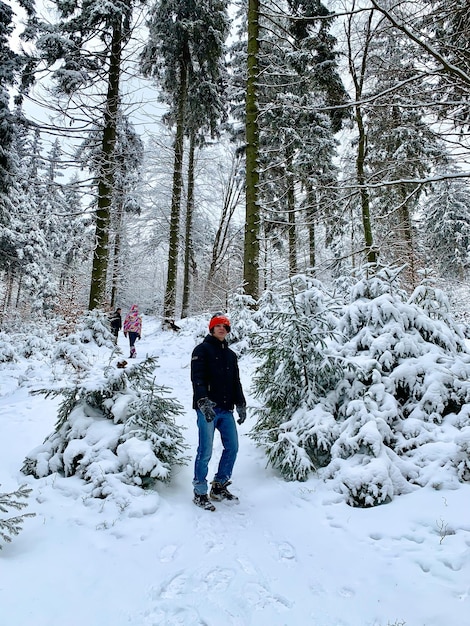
115,426
11,65
298,112
84,51
402,148
186,42
446,227
390,380
296,368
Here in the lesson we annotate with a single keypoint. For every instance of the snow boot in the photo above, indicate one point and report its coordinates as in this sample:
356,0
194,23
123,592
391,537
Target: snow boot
220,492
133,353
203,501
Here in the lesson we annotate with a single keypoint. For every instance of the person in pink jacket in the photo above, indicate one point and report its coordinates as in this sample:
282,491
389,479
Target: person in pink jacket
133,327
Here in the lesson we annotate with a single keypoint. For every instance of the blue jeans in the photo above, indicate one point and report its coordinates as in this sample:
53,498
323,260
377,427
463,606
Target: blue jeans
132,338
224,422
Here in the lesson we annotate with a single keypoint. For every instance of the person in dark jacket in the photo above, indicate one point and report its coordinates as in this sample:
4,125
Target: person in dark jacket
216,391
116,323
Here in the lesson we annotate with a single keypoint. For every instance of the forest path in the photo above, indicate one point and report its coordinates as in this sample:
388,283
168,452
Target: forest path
288,554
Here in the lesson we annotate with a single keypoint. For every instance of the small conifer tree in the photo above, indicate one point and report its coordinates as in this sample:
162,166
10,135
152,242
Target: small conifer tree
115,425
295,369
381,402
11,526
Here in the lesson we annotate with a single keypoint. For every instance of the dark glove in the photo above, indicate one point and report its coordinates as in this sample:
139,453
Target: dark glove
125,334
241,410
206,407
138,336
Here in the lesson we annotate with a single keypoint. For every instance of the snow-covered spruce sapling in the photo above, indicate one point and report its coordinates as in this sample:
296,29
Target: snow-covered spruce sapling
381,406
401,412
7,353
116,425
11,526
295,368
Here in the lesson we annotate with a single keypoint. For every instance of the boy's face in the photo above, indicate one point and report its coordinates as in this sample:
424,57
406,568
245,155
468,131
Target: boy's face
219,331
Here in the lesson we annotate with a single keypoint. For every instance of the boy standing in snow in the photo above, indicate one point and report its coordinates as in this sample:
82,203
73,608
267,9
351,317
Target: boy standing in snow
217,389
133,328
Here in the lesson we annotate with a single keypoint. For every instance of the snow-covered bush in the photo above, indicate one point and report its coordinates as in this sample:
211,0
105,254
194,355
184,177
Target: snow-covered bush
7,353
396,417
11,526
295,369
35,344
241,311
115,425
92,327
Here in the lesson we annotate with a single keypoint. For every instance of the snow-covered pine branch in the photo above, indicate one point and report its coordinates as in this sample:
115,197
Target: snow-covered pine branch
11,526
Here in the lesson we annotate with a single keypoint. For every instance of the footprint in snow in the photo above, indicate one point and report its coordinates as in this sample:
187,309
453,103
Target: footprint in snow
260,597
286,551
173,589
346,592
218,579
168,553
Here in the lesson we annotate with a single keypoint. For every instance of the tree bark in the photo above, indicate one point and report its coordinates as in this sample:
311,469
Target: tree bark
358,80
189,227
363,191
170,291
106,181
292,236
116,254
252,223
311,217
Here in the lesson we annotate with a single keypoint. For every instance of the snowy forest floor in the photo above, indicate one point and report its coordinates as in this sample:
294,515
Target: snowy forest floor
288,554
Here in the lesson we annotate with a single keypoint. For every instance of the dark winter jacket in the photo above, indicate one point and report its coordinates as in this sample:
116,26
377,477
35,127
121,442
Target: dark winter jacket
215,375
116,322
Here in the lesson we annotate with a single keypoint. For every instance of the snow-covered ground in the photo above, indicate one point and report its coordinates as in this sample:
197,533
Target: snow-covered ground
288,554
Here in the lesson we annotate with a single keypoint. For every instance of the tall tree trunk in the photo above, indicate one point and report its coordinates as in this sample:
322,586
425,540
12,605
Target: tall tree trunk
116,253
252,224
9,281
358,77
311,216
18,291
170,291
406,234
292,236
106,181
364,192
189,228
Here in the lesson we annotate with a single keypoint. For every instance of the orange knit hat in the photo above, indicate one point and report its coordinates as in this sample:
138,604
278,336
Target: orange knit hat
219,318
